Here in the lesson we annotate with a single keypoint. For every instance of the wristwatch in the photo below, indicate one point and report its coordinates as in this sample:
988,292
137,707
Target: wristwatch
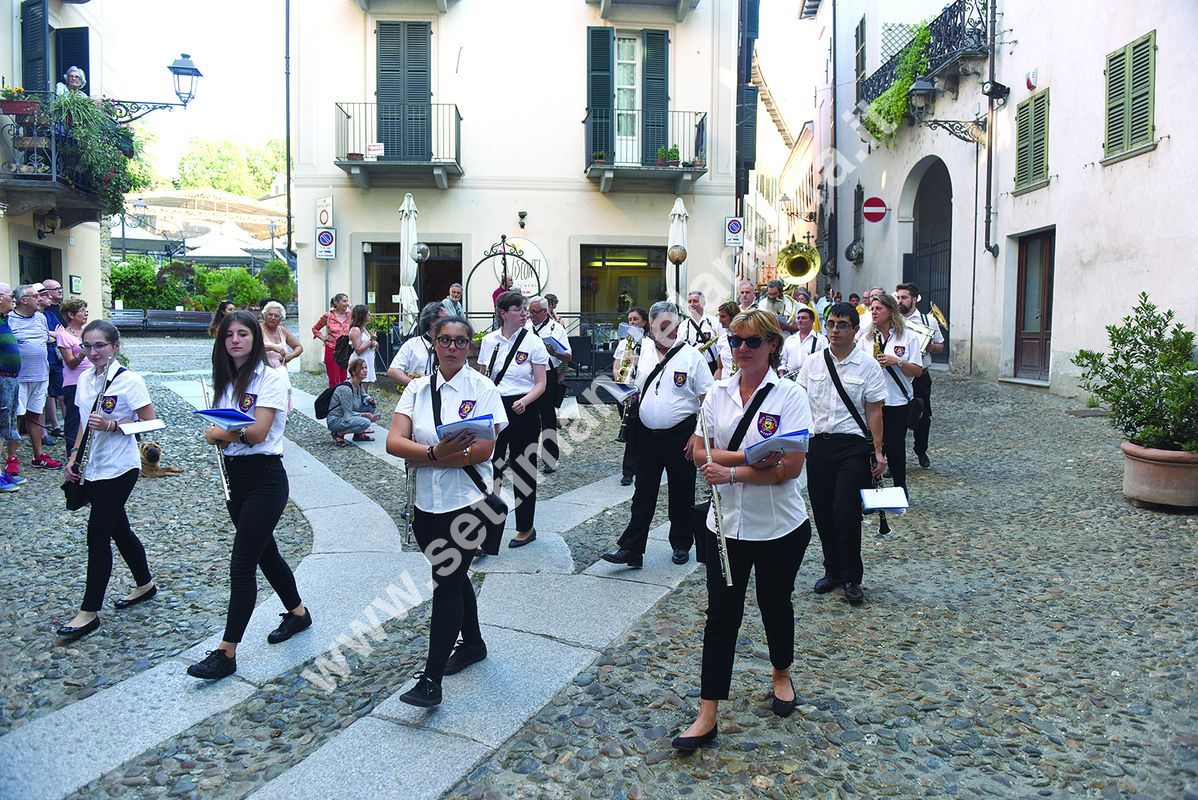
242,438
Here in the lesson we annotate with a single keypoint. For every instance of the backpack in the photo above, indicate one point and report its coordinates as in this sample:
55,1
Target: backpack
324,399
343,351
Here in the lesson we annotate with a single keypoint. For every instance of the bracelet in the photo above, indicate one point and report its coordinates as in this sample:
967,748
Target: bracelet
431,455
732,476
241,437
466,454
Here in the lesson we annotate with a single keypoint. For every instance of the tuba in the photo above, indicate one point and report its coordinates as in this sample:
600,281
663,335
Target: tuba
798,263
631,350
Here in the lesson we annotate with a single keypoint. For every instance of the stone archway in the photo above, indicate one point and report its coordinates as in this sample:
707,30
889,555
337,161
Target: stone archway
925,217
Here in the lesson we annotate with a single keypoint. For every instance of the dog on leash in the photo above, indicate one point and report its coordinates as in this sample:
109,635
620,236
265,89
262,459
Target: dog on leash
151,455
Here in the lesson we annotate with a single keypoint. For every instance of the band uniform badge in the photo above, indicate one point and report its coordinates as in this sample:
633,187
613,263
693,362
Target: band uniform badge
521,357
108,404
466,407
899,350
767,424
247,402
679,379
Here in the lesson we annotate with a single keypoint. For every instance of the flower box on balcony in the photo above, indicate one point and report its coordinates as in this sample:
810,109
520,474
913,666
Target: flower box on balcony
354,157
14,107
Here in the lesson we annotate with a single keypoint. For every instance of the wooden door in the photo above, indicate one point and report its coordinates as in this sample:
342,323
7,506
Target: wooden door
1033,314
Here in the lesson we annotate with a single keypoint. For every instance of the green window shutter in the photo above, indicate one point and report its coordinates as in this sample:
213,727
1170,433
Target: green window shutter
601,91
655,98
1116,102
1141,85
1023,143
746,134
35,46
404,90
1039,139
73,51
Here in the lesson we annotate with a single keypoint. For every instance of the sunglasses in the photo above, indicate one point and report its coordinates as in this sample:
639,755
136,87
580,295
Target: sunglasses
460,342
753,342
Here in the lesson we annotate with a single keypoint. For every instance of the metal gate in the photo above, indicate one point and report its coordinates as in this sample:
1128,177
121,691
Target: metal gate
933,274
512,261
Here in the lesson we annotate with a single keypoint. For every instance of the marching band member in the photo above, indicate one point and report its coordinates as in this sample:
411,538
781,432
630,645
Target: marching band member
727,311
416,356
637,318
888,340
445,494
701,328
241,379
804,344
672,378
764,518
548,328
111,470
778,304
907,294
515,362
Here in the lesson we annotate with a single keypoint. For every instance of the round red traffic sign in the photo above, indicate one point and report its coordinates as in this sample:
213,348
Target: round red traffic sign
874,209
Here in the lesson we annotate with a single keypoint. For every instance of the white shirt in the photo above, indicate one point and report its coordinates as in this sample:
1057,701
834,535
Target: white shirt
415,357
783,308
267,389
937,336
724,352
757,512
697,331
111,453
443,489
674,394
517,380
551,328
863,381
905,347
796,350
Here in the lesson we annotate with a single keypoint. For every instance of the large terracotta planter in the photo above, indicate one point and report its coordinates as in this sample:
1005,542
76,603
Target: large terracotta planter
1160,477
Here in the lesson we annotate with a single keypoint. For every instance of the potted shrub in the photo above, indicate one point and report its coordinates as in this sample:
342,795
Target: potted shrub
1149,382
16,101
355,157
599,157
672,156
661,156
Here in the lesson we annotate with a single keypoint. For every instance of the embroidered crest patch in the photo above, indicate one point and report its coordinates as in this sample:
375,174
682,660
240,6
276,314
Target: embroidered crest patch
108,404
247,402
899,350
466,407
521,357
767,424
679,378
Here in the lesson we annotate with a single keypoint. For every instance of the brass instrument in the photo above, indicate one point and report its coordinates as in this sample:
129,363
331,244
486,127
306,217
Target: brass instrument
626,363
922,332
221,466
721,542
877,343
939,315
798,263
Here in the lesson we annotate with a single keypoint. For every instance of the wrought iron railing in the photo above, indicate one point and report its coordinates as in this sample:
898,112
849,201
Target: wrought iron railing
959,30
637,137
34,148
407,132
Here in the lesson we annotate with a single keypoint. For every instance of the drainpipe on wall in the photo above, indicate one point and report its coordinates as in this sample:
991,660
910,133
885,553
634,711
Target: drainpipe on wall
833,243
991,247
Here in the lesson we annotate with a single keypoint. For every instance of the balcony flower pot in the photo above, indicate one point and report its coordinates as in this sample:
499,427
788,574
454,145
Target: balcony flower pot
661,162
31,142
1154,477
355,157
671,162
14,107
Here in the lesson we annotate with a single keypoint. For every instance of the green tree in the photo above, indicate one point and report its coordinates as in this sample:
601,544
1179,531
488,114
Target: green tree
137,283
234,283
277,277
230,166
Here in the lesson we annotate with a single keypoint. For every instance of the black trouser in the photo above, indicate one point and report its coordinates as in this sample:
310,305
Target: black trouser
776,562
922,388
455,609
107,523
628,465
837,470
547,406
658,450
517,445
258,494
894,442
70,425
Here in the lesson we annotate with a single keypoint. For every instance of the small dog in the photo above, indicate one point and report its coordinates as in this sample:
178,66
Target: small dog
151,454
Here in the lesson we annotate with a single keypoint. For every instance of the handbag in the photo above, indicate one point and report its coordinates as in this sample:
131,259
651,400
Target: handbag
701,509
914,404
493,517
74,492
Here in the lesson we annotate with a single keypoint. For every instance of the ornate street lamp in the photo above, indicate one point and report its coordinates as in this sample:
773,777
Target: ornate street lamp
677,256
186,76
920,97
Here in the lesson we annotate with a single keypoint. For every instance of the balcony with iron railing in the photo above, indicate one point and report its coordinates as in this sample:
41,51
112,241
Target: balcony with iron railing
639,145
408,140
959,32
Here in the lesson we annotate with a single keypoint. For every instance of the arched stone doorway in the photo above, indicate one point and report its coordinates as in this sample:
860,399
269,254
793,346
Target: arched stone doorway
926,205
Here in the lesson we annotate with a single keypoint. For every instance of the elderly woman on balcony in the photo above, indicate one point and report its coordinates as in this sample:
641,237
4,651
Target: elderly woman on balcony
74,79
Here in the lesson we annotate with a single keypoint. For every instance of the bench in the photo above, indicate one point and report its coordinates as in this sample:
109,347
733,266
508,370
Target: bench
162,321
129,320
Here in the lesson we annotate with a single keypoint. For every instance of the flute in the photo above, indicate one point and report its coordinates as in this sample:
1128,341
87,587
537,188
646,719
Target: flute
86,451
721,542
222,468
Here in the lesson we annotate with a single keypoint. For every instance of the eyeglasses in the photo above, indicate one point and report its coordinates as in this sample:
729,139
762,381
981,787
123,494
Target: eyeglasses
753,342
460,342
840,324
88,346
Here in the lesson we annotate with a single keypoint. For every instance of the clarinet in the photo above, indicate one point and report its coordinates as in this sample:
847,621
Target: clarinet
721,542
89,436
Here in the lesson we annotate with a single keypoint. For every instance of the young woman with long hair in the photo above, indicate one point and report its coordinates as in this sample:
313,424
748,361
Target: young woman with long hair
223,310
363,341
242,380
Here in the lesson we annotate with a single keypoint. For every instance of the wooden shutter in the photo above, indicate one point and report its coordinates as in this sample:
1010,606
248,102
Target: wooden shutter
1116,102
73,51
404,89
746,119
752,18
35,46
859,49
1039,144
655,98
1141,65
1023,143
601,92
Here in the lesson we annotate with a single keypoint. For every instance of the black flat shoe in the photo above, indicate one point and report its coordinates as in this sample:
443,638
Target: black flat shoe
425,694
690,743
853,593
290,626
784,708
681,556
214,666
923,460
627,557
825,585
625,480
532,537
141,598
464,655
78,632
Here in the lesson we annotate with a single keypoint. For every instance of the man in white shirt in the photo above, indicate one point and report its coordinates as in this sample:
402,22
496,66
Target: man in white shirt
701,328
907,294
746,295
804,344
673,378
453,304
557,342
778,304
838,455
824,302
416,356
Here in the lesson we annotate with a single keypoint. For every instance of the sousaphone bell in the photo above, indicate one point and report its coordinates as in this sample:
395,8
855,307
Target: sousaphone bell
798,263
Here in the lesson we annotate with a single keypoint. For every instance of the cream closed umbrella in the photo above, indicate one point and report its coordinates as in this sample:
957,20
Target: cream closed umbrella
676,281
409,303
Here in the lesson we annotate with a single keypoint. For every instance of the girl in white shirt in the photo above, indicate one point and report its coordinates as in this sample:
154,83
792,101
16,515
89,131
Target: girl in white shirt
242,380
110,473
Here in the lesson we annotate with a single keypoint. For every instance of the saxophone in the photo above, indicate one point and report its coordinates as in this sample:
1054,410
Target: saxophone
877,344
622,376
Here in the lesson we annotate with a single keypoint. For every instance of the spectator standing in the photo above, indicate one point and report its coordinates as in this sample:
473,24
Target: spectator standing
10,368
332,325
363,341
223,310
55,407
551,299
453,303
29,326
350,408
68,338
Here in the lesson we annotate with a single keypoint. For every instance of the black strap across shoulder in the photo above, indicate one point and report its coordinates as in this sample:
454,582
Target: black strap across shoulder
901,385
471,471
662,364
87,431
844,396
742,427
511,353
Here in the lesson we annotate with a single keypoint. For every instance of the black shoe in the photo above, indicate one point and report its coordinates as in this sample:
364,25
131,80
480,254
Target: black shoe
853,593
548,470
426,693
141,598
290,626
625,480
479,554
627,557
532,537
690,743
680,556
71,634
784,708
825,585
57,433
923,460
464,655
215,665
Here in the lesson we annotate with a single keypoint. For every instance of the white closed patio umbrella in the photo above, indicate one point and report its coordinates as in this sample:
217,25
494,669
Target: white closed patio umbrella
676,282
409,303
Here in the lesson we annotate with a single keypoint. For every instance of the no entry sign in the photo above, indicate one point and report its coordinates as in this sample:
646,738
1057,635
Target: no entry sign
874,209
